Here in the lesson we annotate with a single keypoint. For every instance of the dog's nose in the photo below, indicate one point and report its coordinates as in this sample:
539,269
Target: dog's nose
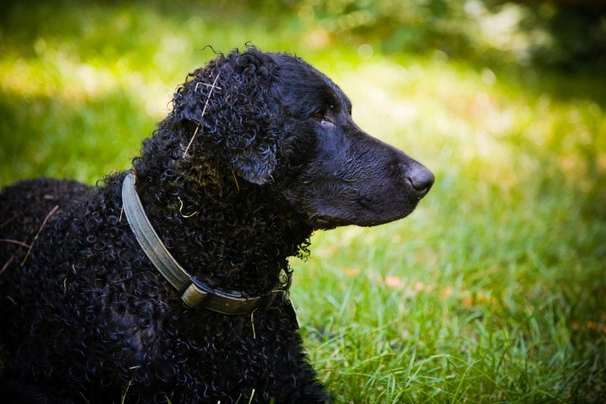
421,179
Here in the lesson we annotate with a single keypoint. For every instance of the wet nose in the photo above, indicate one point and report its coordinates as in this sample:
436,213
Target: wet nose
421,179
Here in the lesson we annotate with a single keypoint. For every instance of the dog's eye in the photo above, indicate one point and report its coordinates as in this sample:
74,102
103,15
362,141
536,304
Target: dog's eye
320,117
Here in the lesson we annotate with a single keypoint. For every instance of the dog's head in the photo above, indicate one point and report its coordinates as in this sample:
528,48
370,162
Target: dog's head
277,122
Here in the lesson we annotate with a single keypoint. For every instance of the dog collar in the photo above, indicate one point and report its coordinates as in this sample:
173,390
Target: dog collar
195,294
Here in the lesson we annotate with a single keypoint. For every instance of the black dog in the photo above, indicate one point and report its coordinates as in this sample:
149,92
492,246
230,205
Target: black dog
185,297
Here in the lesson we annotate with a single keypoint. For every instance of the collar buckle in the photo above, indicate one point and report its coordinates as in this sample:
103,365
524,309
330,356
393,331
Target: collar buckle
196,293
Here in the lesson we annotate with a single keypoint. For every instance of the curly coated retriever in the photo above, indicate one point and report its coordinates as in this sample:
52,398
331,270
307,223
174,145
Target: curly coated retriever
169,283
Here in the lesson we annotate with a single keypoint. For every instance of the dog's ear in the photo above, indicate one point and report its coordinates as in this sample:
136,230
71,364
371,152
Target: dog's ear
255,163
231,108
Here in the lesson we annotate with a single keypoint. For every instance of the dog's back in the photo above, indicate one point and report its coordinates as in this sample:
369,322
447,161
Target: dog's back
25,205
26,208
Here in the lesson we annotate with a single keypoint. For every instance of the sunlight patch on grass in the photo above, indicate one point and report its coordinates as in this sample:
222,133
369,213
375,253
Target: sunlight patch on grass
58,76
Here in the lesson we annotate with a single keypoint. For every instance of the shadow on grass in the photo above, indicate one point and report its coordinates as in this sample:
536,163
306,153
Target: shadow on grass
83,140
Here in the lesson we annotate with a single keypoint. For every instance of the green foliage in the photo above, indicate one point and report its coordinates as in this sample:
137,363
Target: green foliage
563,33
567,34
415,25
492,291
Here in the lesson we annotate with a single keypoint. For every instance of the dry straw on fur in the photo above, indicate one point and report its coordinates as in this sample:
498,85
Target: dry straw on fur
210,93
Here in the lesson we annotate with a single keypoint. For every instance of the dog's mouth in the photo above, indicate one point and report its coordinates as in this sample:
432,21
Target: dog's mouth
326,222
373,209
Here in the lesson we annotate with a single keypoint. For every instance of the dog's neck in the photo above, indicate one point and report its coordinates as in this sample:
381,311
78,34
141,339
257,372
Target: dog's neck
221,229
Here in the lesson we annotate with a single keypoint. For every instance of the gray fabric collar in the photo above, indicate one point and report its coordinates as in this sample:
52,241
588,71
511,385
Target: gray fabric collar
195,294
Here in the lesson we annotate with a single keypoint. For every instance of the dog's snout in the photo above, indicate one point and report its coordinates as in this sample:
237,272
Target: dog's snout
421,179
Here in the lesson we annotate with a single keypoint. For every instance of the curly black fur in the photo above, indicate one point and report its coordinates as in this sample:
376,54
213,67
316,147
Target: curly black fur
274,155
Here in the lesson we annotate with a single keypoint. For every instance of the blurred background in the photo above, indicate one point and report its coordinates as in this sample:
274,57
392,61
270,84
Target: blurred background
494,290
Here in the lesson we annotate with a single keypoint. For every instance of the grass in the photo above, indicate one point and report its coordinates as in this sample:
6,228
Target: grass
494,290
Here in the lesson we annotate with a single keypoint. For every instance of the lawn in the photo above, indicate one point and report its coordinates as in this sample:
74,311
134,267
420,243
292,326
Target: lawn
493,290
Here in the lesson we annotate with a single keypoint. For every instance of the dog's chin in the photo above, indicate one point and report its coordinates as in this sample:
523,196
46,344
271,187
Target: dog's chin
325,222
328,222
